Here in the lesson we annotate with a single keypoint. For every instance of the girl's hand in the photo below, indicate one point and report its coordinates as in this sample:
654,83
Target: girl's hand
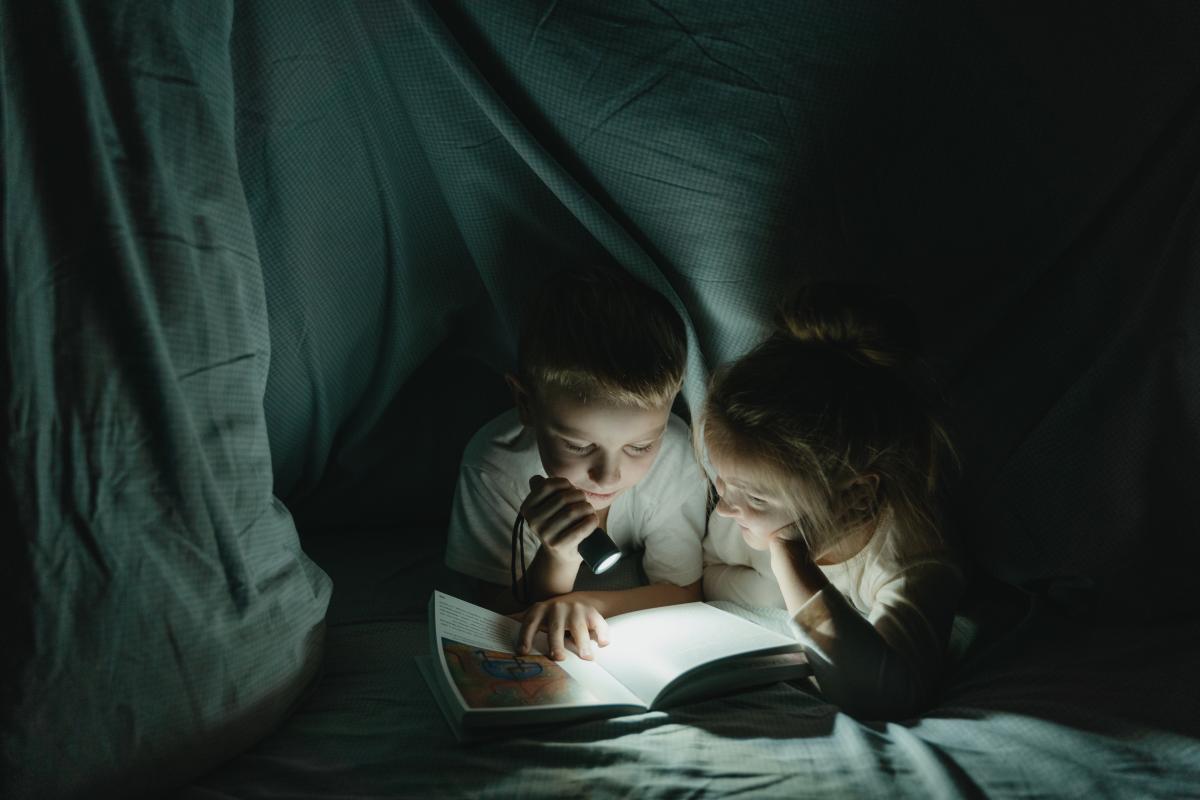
559,616
559,515
798,575
790,535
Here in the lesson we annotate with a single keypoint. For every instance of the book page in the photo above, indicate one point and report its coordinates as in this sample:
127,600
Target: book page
475,651
649,649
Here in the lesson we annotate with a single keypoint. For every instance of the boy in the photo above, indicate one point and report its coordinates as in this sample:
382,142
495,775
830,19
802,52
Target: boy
591,442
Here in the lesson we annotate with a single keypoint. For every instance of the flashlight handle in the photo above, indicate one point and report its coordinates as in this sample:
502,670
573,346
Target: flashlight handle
596,548
598,538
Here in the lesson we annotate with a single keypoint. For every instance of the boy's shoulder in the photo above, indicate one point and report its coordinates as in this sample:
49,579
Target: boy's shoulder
676,463
502,445
677,439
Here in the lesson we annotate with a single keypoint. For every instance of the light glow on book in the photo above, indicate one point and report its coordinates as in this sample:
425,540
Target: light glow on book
655,649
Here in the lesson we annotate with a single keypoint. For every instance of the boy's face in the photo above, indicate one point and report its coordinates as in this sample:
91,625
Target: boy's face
602,448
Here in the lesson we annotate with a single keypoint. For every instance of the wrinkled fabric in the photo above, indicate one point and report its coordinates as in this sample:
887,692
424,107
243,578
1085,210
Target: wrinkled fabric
164,616
277,250
1056,711
1029,189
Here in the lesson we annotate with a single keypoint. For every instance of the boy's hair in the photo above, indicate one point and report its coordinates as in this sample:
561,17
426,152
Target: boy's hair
601,335
830,396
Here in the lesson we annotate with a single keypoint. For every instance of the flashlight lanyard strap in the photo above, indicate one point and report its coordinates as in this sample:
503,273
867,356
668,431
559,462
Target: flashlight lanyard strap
520,587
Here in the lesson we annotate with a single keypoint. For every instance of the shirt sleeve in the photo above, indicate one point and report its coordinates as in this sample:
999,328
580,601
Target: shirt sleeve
886,664
479,540
724,544
673,532
729,569
742,585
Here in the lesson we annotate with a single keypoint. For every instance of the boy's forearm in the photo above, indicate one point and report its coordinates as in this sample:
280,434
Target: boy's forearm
550,575
611,603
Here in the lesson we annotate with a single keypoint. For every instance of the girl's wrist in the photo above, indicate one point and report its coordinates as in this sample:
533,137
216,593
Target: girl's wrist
795,570
785,551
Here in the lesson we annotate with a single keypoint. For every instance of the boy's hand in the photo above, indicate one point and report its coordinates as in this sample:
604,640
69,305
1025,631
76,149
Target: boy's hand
559,515
559,616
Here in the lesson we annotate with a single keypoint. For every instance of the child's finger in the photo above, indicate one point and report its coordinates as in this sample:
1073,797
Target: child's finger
599,627
571,524
556,629
579,632
542,488
538,482
541,515
587,523
538,508
529,627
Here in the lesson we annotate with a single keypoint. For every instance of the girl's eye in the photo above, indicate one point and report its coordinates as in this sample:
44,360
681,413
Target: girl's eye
638,449
756,501
577,448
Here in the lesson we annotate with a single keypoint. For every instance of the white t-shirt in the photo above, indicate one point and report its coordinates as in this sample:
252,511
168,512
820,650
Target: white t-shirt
876,636
661,516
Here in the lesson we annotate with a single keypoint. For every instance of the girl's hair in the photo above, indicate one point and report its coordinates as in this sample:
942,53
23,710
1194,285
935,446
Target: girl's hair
834,394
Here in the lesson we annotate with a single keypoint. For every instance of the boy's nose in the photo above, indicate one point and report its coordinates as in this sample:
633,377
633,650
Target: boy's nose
605,474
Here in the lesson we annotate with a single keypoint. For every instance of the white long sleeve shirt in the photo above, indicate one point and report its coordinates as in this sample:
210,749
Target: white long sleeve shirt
875,636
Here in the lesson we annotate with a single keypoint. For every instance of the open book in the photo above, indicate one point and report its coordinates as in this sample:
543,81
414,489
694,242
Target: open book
656,658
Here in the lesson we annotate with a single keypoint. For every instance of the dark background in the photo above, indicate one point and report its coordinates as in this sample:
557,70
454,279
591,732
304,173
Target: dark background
275,250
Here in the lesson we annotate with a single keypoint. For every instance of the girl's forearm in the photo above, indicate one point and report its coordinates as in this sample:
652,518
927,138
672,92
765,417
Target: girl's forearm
798,575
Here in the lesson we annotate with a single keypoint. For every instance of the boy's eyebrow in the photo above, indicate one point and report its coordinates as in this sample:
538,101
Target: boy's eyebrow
577,434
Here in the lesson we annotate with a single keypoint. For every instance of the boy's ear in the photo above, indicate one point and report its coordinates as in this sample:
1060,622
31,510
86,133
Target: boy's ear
521,398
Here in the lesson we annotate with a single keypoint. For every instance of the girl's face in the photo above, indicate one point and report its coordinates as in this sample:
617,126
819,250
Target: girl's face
759,512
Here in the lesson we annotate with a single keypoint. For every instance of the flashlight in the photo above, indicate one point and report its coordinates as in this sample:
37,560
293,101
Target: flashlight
599,551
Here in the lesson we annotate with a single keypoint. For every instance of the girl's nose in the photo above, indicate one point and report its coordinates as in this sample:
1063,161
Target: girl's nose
725,509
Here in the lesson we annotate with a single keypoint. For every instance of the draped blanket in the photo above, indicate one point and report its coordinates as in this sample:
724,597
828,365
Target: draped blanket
263,262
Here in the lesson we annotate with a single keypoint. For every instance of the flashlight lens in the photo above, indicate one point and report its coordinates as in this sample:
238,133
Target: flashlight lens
608,562
599,552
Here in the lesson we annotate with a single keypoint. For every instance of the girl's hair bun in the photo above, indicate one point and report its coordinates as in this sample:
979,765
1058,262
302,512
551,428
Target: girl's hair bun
863,321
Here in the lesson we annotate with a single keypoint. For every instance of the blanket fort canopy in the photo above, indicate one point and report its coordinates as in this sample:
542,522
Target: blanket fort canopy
246,244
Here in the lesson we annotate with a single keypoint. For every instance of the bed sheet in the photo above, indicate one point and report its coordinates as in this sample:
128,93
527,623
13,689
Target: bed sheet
1058,706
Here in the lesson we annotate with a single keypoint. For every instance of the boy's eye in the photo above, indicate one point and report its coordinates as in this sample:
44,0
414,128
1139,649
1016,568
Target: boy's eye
579,449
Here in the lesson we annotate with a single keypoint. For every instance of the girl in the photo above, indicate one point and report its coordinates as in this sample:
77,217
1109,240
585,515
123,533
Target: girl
828,464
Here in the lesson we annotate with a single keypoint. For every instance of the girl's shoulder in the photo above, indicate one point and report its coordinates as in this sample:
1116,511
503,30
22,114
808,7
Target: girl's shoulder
894,558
